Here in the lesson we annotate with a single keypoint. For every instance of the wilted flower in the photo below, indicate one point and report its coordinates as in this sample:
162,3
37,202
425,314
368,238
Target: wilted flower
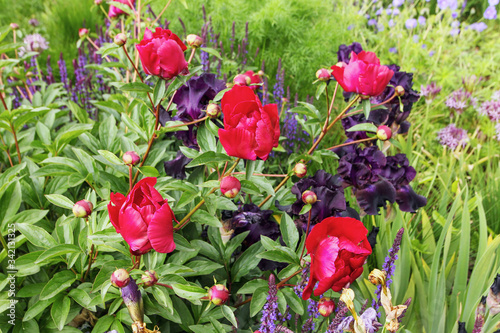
33,43
493,298
369,319
451,136
83,208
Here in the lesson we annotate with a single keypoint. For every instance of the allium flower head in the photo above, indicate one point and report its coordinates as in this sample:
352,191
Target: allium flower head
34,43
430,91
491,109
459,100
451,136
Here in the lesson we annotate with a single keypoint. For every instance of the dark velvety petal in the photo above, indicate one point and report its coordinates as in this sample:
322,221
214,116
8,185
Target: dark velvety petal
350,212
344,52
371,198
408,200
164,116
372,237
177,167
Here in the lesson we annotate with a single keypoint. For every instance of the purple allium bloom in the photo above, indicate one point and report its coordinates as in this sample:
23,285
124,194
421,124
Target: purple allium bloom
328,189
398,3
451,137
478,26
34,22
459,100
177,167
33,43
491,109
490,13
422,20
393,50
344,52
372,22
411,23
497,131
430,91
444,4
270,310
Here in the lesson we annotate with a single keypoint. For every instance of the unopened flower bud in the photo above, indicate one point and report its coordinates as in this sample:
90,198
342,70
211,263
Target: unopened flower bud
120,39
326,306
194,41
400,91
300,170
260,73
242,80
133,300
309,197
377,277
213,110
230,186
83,208
83,32
341,64
149,278
14,26
323,74
97,2
384,133
120,278
131,158
218,294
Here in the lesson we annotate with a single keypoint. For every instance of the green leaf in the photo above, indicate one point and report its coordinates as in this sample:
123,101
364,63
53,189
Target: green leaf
57,251
320,89
172,126
132,125
136,86
367,127
208,157
250,168
149,171
159,91
246,262
80,114
103,324
112,158
163,298
229,314
58,283
60,311
36,235
305,209
293,300
60,200
258,300
221,93
204,217
280,255
36,308
189,292
366,107
211,51
206,139
289,231
251,286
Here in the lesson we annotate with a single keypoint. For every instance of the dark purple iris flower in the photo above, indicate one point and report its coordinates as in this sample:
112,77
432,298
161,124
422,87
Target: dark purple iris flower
344,52
251,218
402,79
177,167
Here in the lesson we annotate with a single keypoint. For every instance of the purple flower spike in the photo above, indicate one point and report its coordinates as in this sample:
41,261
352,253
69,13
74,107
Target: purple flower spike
270,311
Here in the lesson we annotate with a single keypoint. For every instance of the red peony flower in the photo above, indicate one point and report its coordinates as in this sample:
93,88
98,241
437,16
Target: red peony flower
254,79
143,218
363,75
338,248
162,54
114,11
250,129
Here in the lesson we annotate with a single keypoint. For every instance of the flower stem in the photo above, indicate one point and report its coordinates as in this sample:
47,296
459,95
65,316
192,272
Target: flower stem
105,13
91,255
307,233
7,151
352,142
164,285
360,110
130,179
16,142
260,174
161,13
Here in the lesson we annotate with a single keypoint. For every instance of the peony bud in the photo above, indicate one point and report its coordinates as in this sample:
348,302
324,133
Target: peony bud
309,197
400,91
194,41
323,74
384,133
83,208
120,39
120,278
260,73
326,306
213,110
149,278
242,80
341,64
300,170
83,32
218,294
97,2
377,277
133,300
131,158
230,186
14,26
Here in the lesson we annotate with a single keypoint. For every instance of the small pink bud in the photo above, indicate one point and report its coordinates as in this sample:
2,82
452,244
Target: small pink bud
326,306
194,41
149,278
384,133
82,32
230,186
131,158
242,80
83,208
120,39
260,73
14,26
323,74
120,278
213,110
341,64
309,197
300,170
400,91
218,294
97,2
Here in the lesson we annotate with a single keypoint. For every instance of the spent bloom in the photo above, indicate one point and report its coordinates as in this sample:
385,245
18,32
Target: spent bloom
33,43
451,136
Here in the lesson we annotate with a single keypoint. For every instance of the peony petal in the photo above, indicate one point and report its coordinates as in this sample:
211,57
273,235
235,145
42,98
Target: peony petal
368,57
324,258
238,143
264,137
352,73
172,60
161,230
115,204
147,34
133,229
149,58
338,73
236,95
272,111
